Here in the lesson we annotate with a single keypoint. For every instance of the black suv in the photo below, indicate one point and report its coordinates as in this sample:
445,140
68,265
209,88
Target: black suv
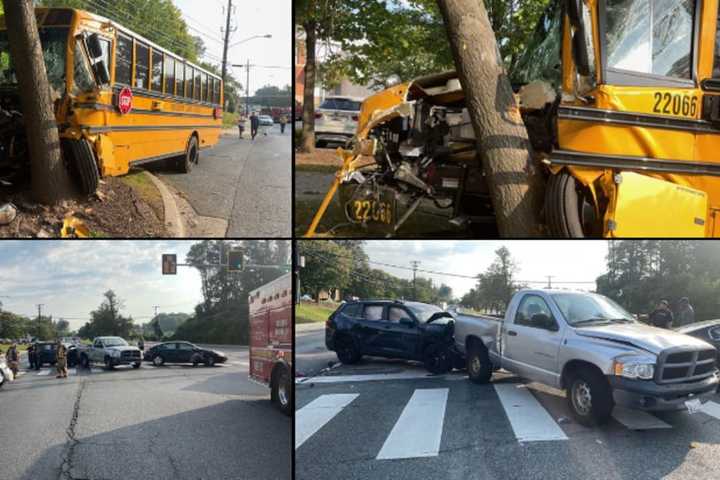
393,329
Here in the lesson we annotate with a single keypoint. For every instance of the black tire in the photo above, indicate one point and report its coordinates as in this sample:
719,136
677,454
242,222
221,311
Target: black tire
191,157
479,366
108,364
80,159
136,365
158,361
347,351
589,397
436,358
281,392
84,361
210,361
567,213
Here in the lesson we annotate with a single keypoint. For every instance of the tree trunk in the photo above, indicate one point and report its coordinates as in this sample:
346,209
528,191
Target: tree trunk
50,180
308,141
515,182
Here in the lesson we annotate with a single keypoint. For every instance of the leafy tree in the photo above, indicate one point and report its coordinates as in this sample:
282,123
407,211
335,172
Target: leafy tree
62,328
107,320
327,266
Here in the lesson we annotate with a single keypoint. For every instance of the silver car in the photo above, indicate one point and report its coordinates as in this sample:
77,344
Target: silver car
336,120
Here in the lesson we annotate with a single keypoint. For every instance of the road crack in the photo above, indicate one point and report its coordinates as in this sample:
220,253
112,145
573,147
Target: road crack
67,464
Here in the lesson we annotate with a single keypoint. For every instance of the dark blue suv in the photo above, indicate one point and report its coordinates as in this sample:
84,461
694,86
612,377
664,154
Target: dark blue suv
393,329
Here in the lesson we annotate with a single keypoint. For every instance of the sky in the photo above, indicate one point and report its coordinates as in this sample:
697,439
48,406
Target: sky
70,277
566,260
206,17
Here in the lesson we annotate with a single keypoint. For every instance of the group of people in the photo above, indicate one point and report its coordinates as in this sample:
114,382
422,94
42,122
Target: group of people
255,125
663,316
13,358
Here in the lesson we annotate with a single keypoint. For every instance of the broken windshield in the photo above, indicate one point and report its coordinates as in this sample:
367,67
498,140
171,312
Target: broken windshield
541,59
54,42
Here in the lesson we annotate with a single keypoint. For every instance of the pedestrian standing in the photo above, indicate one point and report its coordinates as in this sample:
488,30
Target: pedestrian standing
32,356
61,360
662,316
141,344
13,358
283,122
241,125
254,125
686,313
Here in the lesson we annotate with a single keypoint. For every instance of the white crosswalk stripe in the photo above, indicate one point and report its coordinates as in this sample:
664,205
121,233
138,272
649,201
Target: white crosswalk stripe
637,419
418,431
43,372
312,417
528,418
712,409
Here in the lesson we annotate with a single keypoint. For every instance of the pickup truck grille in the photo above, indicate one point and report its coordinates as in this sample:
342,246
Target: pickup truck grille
677,366
130,354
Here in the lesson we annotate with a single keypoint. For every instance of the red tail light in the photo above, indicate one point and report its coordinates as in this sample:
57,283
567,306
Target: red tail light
318,115
355,118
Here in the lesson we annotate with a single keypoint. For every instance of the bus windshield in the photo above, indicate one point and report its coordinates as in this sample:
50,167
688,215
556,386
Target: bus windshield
54,43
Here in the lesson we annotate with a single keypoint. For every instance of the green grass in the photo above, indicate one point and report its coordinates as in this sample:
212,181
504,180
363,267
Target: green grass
230,119
313,312
146,189
4,347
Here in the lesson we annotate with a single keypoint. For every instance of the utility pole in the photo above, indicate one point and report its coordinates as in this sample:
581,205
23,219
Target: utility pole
40,305
247,90
415,264
227,40
156,309
550,277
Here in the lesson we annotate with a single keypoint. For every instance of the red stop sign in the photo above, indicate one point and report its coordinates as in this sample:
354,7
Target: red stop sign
125,100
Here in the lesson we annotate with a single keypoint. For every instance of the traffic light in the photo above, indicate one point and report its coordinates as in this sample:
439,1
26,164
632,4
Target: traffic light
236,262
169,264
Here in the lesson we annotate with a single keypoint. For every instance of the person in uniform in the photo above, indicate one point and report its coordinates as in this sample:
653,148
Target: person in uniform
283,122
13,358
662,316
61,360
141,344
32,355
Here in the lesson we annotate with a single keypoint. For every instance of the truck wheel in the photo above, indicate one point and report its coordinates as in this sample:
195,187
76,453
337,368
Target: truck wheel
136,365
478,364
84,361
346,351
589,397
281,392
191,157
108,363
569,211
158,361
436,359
209,361
83,167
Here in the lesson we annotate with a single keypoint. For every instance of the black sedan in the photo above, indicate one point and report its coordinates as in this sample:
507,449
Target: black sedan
708,331
183,352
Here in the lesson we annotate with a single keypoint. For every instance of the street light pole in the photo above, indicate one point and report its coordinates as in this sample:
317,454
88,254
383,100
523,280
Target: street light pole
247,90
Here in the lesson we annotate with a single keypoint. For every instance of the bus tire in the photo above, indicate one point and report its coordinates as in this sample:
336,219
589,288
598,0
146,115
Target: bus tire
192,156
562,207
83,167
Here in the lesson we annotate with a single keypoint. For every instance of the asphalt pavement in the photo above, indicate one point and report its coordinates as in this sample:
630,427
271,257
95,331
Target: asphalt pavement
311,356
247,183
391,419
174,422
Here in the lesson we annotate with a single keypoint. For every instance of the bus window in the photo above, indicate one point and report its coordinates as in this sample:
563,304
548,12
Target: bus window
217,91
157,70
123,60
198,86
205,87
142,62
83,76
179,79
169,75
189,85
209,96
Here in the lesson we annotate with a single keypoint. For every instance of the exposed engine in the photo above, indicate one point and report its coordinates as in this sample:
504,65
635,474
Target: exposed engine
14,163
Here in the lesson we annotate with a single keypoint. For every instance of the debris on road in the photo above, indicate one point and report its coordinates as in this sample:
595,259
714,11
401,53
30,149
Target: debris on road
8,212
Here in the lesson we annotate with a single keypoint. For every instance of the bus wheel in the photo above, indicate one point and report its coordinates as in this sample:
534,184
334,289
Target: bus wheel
569,208
81,161
192,156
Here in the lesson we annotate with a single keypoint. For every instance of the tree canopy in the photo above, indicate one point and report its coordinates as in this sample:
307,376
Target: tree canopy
107,320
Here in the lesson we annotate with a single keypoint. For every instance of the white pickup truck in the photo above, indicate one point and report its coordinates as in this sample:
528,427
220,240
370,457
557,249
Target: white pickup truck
110,352
591,347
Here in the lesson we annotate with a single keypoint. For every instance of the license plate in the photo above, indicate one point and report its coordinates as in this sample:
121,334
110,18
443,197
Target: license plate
693,406
373,211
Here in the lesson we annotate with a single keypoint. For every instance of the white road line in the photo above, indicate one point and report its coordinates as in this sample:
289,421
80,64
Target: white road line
44,372
369,377
312,417
529,420
712,409
637,419
96,370
418,431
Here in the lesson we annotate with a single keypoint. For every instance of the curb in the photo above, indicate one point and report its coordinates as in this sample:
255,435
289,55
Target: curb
173,220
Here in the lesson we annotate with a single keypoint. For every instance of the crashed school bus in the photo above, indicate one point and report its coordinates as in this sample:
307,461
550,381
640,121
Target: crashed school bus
621,100
119,99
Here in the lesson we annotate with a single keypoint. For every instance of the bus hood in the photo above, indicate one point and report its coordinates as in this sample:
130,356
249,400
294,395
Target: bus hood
651,339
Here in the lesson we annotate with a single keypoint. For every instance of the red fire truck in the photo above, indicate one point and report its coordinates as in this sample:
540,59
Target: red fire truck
271,340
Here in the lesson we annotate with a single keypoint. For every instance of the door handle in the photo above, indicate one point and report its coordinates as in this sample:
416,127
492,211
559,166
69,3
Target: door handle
512,333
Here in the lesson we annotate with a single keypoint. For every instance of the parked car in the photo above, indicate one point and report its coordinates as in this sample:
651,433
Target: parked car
708,331
183,352
47,353
6,375
392,329
110,352
337,119
266,121
591,347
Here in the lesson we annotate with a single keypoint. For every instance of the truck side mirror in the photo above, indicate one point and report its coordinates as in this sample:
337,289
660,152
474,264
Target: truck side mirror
101,73
94,46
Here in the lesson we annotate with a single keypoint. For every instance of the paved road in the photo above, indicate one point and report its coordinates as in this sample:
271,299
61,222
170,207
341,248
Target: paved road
311,356
174,422
390,419
248,183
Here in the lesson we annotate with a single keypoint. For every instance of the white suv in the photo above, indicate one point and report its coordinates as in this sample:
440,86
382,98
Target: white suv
336,120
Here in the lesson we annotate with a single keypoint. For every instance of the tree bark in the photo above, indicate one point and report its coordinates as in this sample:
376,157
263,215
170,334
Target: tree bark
50,180
308,141
515,182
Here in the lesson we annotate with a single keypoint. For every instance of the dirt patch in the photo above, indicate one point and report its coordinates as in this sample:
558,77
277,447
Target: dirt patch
116,210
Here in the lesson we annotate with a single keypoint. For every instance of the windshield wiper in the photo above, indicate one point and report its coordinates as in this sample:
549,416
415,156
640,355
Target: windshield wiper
593,320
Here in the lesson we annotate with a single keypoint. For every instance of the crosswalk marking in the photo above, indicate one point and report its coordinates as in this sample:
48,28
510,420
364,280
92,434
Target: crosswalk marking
43,372
529,420
712,409
637,419
312,417
410,375
418,431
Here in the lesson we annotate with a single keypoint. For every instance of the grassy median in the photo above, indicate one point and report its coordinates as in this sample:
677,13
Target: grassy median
313,312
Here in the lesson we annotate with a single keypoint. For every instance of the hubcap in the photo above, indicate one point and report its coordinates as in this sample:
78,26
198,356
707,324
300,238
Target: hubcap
475,365
581,397
282,393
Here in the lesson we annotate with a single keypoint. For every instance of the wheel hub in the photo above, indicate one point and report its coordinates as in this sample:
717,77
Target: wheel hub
582,398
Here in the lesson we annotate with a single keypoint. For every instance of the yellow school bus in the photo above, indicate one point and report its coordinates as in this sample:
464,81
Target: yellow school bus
120,100
621,100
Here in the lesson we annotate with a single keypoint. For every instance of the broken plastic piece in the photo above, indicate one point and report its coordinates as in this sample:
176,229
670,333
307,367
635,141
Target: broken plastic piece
74,228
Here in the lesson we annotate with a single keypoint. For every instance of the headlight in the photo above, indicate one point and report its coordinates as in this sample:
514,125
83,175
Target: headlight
632,369
115,353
